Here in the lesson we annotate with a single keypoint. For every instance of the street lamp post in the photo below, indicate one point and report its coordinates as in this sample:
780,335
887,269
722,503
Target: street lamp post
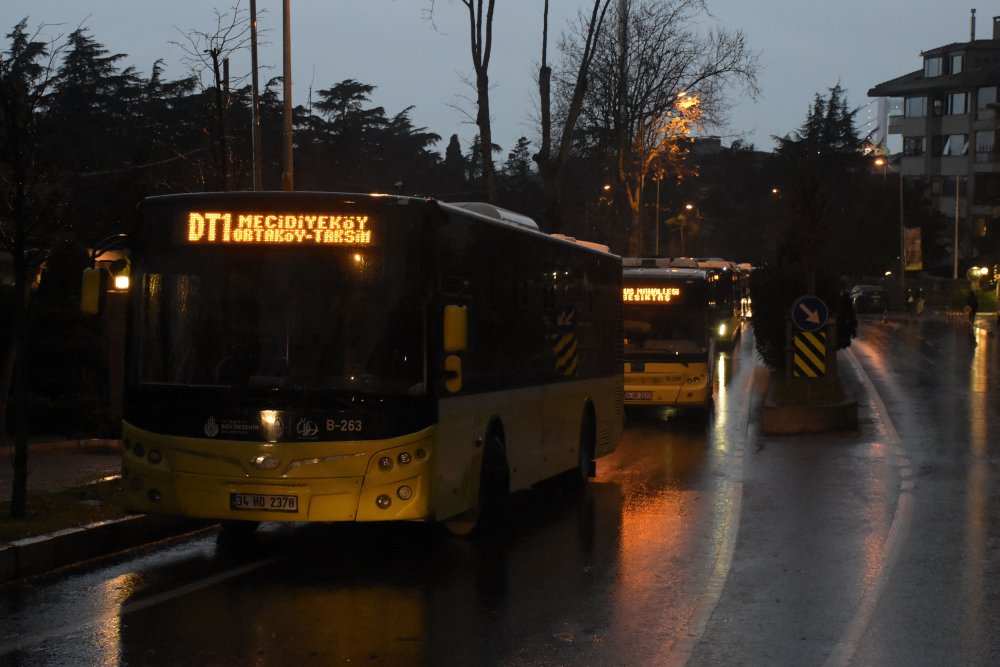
902,242
689,208
884,163
658,178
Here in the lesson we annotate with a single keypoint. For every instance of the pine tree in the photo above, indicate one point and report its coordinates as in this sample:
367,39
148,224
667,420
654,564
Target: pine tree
454,165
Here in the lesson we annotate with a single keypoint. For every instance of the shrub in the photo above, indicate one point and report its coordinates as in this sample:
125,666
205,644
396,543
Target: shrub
774,289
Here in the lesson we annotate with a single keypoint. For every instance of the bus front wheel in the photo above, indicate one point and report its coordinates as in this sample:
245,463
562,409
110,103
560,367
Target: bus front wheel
494,488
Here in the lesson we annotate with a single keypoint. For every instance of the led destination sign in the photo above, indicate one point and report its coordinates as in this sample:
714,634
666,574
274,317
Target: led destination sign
650,294
215,228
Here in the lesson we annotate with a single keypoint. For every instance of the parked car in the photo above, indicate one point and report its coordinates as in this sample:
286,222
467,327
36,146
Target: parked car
869,299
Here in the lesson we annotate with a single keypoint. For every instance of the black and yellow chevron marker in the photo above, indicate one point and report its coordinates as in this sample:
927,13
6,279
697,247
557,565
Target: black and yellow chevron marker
809,357
565,345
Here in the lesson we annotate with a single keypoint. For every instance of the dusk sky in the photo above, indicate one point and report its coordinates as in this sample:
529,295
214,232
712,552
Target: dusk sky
805,47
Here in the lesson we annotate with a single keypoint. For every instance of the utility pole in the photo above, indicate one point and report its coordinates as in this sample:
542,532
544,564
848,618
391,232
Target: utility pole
255,110
958,182
902,241
287,174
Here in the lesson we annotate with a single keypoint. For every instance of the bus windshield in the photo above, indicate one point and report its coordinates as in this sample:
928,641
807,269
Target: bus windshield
297,319
653,331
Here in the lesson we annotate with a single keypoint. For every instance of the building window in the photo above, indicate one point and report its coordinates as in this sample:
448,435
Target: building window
985,142
950,183
916,107
987,188
984,98
894,106
936,186
913,145
955,64
953,144
957,104
932,66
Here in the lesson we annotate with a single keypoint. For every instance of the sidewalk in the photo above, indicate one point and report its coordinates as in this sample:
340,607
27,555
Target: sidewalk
55,466
58,465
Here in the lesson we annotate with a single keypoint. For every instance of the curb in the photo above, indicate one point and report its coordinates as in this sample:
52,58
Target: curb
33,556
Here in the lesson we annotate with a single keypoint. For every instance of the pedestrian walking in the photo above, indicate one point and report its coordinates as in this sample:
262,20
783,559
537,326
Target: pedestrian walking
971,306
909,300
920,301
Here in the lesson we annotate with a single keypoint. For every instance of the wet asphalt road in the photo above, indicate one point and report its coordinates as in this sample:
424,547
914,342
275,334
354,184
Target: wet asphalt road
698,543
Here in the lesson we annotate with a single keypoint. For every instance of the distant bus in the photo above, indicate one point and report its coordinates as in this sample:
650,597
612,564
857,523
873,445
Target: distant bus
725,292
669,347
746,303
343,357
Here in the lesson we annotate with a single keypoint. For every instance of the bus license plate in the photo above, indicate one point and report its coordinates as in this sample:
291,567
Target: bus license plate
260,502
638,395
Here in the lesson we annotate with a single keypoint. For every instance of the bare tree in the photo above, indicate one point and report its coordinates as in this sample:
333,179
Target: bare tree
481,45
639,74
551,168
209,52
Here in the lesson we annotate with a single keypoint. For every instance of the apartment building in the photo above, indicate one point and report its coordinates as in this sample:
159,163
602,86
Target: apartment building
948,116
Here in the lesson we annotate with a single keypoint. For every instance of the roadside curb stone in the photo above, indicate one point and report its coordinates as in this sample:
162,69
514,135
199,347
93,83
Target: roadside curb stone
33,556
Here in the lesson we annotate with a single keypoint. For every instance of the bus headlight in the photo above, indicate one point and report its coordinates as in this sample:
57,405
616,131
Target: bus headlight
404,492
722,330
405,458
383,502
385,464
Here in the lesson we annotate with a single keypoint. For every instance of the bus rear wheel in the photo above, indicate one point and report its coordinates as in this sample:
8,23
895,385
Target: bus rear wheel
587,465
494,488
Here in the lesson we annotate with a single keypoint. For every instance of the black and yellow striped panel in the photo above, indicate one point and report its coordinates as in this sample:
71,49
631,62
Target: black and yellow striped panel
809,358
565,347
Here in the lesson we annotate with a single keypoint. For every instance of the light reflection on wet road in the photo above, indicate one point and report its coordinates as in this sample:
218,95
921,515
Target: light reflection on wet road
700,542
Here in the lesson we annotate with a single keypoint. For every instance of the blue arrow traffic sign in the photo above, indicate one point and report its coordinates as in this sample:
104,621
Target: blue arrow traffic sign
809,313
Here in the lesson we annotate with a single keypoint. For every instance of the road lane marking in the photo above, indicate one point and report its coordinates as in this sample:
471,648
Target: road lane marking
844,651
697,624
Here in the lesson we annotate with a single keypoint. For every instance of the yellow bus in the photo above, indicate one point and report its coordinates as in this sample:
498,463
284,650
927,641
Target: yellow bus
348,357
725,298
669,347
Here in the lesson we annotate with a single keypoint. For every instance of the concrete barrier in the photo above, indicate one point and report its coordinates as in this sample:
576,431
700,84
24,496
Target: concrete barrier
790,419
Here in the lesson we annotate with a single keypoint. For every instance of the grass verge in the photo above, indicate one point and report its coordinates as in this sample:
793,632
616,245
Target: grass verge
51,512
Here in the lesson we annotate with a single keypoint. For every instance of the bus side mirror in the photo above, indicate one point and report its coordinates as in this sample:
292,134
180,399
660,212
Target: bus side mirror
95,286
456,328
456,339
